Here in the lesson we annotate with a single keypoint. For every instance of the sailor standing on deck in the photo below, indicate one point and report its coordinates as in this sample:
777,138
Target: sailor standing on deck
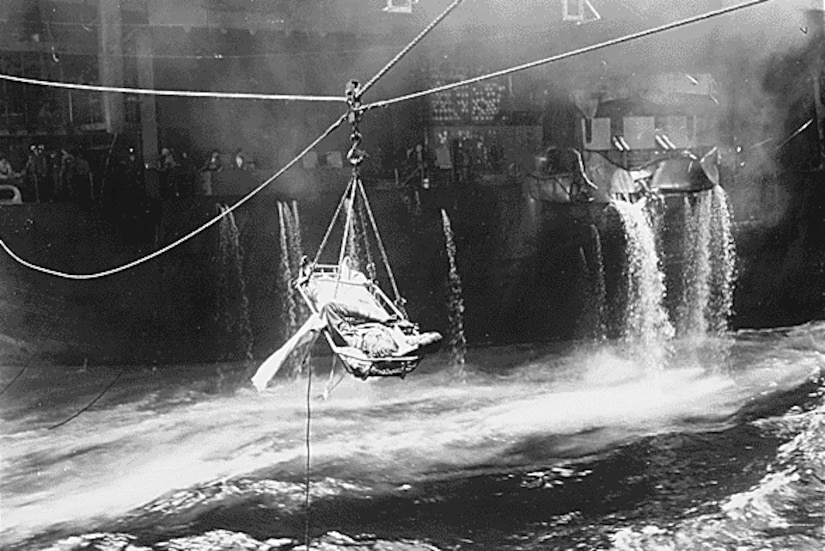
213,166
167,167
36,170
65,177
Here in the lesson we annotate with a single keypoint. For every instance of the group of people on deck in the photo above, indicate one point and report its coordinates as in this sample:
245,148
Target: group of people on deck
49,175
73,173
215,165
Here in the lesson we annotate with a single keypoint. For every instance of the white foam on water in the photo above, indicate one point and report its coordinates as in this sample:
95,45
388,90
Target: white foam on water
114,459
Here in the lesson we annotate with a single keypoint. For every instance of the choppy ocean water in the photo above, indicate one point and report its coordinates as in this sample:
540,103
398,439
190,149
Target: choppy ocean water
704,444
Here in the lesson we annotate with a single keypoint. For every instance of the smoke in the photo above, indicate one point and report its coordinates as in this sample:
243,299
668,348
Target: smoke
272,133
760,58
740,50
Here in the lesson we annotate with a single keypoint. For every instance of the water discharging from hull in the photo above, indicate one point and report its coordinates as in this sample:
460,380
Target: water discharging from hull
723,262
708,266
690,317
233,303
296,252
289,265
296,246
458,342
646,320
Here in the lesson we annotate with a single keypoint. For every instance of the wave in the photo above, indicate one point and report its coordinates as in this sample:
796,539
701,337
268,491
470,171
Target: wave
782,511
143,467
228,540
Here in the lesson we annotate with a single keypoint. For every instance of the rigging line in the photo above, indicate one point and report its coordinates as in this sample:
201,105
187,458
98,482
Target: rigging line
308,463
565,55
678,154
38,333
795,134
176,93
347,231
108,160
184,238
367,252
19,373
410,46
383,251
90,404
332,223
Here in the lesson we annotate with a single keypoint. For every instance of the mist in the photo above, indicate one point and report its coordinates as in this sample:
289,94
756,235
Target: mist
740,50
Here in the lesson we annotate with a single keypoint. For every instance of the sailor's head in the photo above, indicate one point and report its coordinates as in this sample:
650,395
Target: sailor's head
378,342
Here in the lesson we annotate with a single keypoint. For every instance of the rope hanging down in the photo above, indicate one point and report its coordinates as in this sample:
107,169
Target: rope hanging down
196,231
28,363
177,93
355,109
308,465
565,55
90,404
355,156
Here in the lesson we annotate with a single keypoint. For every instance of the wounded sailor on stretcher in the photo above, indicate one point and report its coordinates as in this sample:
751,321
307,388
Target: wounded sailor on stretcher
349,308
362,330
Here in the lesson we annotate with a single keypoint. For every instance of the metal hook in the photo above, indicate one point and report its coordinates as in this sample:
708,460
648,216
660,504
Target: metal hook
355,155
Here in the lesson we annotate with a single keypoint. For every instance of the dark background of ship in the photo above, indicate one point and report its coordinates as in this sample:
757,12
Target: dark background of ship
526,265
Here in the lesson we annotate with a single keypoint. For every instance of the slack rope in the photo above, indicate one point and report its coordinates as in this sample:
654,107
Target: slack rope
177,242
26,366
308,463
14,379
566,55
90,404
176,93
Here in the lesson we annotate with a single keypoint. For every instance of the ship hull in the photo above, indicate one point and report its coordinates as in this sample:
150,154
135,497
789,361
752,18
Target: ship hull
529,272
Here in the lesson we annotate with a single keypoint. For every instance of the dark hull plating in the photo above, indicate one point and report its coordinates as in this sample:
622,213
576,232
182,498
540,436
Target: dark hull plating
528,272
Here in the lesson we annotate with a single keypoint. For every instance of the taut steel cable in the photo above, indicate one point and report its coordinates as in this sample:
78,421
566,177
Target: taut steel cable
175,93
565,55
411,45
